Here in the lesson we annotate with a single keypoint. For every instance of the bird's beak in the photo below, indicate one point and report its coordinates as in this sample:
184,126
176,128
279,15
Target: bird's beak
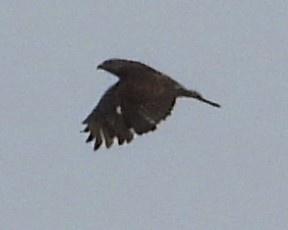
100,66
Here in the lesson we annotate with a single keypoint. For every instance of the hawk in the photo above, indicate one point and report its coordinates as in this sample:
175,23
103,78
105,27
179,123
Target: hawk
140,99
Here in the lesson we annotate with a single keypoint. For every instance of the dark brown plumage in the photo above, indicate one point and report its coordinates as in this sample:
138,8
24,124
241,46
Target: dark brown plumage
140,99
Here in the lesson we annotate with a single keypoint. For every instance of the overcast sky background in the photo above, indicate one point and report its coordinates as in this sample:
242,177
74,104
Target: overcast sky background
204,168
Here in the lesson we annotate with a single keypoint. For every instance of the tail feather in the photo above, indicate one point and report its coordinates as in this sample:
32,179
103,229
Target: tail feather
194,94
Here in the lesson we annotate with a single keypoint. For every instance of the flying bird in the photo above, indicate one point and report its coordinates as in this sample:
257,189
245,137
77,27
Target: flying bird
140,99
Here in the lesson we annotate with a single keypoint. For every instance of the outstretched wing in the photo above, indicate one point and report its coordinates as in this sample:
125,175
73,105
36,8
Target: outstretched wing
105,123
122,111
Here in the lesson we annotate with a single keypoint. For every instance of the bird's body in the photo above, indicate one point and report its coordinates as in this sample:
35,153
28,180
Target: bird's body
140,99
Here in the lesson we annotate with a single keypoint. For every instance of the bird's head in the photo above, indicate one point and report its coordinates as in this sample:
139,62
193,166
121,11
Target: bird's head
114,66
124,68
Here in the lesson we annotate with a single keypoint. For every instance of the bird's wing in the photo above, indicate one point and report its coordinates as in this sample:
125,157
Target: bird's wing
144,115
123,111
106,122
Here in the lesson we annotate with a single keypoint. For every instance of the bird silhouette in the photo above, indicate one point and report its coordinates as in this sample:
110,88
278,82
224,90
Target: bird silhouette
140,99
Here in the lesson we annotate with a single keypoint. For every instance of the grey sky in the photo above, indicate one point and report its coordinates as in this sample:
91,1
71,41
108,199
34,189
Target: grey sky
204,168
